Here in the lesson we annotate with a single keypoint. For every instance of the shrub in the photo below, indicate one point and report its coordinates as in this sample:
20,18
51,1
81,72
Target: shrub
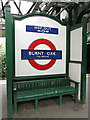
2,62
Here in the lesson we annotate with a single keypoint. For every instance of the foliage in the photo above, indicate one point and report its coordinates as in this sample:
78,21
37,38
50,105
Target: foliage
2,62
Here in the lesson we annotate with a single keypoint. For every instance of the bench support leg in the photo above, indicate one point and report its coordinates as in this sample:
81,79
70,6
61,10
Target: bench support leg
60,100
76,97
36,104
15,105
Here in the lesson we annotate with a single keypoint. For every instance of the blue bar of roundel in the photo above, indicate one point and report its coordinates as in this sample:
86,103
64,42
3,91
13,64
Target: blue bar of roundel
40,29
41,54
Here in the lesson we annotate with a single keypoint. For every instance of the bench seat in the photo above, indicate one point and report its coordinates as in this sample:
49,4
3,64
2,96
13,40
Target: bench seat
43,92
39,89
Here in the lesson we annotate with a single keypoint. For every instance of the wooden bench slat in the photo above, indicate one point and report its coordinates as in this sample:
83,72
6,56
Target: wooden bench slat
38,93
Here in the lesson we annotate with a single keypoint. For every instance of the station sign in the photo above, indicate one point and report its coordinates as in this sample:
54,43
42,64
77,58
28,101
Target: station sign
41,29
40,47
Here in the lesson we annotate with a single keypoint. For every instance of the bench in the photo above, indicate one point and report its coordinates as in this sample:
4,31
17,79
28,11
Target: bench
44,88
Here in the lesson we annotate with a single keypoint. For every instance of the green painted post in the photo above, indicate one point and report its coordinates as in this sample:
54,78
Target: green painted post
68,50
60,100
15,104
84,63
8,26
36,104
76,95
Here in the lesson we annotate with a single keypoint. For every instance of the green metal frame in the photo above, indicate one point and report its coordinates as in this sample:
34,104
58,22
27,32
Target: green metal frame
84,56
9,59
84,61
67,44
10,55
88,36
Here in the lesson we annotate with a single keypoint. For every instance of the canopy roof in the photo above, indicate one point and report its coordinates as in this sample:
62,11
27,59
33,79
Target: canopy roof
66,10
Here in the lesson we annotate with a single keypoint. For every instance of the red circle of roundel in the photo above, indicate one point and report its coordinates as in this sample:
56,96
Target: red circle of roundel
36,65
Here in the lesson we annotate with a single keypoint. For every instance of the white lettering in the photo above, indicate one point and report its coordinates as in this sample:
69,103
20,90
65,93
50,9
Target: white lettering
36,53
48,53
29,53
51,53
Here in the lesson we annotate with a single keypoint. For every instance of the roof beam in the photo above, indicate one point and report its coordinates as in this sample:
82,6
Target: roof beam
3,9
48,6
36,6
31,8
52,9
17,7
83,12
63,9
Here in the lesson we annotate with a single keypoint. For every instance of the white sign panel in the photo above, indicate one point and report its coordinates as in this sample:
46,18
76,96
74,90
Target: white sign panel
76,45
75,74
40,47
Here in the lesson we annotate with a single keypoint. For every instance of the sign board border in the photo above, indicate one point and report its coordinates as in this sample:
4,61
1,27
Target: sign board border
84,60
67,47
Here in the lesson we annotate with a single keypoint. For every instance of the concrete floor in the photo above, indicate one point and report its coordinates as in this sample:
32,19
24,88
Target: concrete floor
48,108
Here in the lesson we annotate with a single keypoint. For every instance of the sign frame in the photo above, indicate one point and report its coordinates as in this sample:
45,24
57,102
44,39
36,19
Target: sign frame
83,63
67,48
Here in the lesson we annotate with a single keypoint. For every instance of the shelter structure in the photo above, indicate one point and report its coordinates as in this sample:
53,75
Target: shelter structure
40,47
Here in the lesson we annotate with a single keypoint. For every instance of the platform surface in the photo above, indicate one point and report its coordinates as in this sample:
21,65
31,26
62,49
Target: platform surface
47,108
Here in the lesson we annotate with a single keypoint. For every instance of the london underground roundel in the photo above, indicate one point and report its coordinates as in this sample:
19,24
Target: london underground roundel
32,54
36,65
